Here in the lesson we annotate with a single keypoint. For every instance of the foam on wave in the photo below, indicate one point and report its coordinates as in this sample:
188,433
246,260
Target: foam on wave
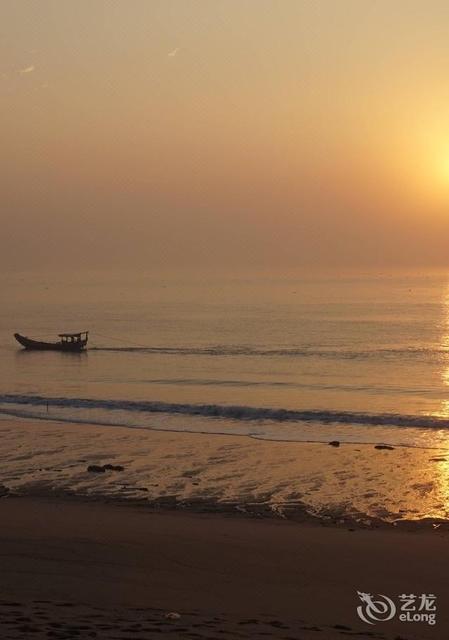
239,413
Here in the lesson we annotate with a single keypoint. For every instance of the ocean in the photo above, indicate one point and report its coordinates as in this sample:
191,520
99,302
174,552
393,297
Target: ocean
356,358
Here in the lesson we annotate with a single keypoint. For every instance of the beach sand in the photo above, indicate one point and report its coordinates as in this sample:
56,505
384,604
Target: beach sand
243,538
237,474
71,569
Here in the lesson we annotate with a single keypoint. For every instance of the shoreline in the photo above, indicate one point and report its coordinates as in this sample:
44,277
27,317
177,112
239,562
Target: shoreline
234,510
110,568
322,417
96,423
349,485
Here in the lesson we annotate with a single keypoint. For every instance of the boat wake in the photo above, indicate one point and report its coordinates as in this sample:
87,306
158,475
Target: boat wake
303,352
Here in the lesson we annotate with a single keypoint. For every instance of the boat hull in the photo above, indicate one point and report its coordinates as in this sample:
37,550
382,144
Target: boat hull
37,345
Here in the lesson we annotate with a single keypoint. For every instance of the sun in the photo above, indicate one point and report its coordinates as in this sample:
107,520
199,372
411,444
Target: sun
429,174
442,170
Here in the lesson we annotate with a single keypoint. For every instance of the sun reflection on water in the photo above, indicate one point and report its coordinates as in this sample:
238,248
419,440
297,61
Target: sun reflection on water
439,463
444,409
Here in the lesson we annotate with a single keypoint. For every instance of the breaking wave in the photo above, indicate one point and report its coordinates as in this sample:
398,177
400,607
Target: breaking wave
9,403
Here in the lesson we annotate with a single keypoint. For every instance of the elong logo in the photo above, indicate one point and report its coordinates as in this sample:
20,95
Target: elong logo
411,608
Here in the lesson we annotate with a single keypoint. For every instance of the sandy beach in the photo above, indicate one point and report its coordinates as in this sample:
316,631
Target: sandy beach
72,569
240,537
350,484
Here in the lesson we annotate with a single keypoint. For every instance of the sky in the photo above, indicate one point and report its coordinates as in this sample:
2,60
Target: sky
219,134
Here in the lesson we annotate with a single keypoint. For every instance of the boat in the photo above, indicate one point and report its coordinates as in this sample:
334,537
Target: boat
74,342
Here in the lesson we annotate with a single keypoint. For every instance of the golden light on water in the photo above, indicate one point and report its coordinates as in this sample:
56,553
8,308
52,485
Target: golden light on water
444,409
436,476
445,336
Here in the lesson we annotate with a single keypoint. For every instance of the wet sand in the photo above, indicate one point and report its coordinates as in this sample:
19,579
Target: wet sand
72,569
242,538
200,472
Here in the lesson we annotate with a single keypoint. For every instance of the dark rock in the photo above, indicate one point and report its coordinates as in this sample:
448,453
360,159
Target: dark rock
334,443
384,446
96,468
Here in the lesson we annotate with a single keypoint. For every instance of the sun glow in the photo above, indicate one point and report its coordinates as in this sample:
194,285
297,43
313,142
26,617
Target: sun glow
432,164
442,170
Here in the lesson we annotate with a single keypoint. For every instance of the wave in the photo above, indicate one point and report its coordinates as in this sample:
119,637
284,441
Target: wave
300,352
238,413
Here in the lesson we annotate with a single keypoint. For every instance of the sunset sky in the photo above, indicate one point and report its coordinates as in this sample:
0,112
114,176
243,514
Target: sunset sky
169,134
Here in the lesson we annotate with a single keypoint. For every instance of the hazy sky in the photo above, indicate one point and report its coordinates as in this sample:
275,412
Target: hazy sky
224,133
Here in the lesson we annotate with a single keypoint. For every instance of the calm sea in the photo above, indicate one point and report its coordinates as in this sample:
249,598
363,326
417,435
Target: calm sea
360,359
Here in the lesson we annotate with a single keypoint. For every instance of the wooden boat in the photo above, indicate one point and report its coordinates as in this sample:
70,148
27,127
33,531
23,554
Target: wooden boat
74,342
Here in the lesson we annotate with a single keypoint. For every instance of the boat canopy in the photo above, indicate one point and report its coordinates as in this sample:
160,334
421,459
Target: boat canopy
74,338
73,335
